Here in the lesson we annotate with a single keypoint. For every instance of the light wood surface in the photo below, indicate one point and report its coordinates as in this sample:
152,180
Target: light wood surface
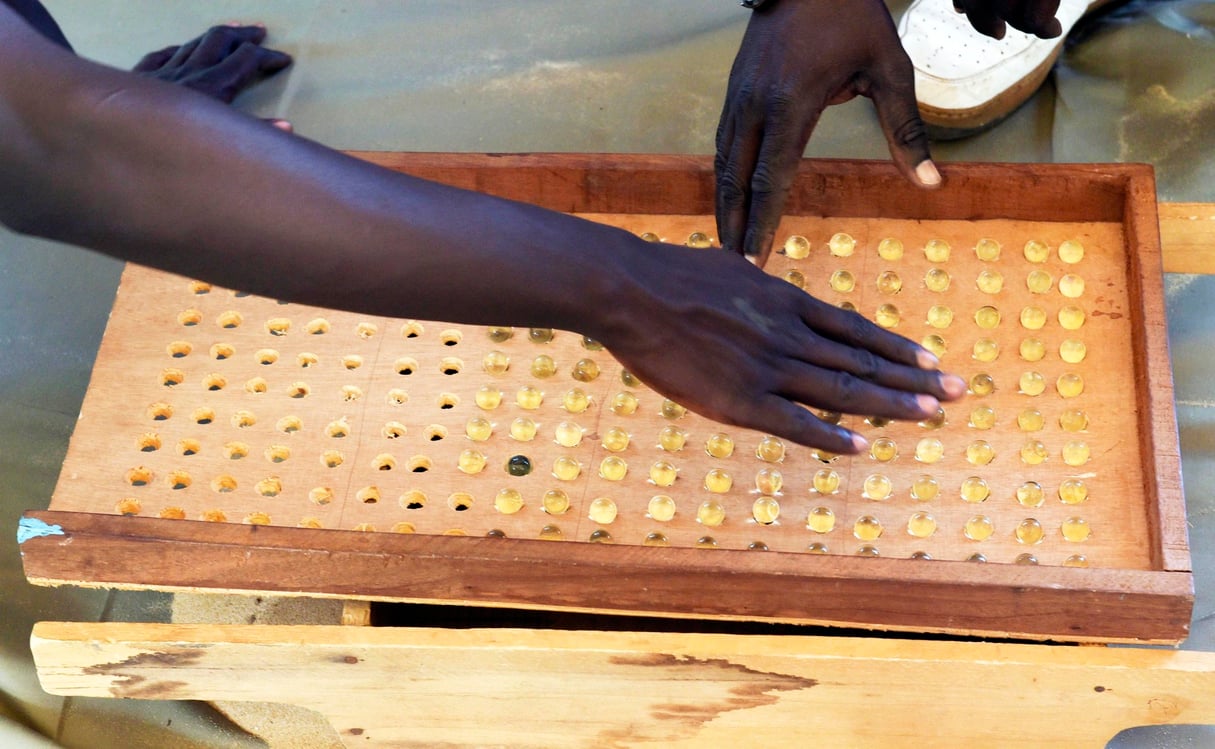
526,688
334,415
1187,237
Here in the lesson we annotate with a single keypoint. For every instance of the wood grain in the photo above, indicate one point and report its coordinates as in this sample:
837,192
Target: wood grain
526,688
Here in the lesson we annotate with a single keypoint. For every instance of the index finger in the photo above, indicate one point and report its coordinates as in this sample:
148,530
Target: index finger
775,168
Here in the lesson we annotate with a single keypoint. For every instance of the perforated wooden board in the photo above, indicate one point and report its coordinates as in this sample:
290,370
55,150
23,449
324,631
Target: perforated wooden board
323,419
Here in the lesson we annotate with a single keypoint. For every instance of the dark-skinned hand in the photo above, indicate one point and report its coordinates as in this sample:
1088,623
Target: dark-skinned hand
991,17
735,344
221,63
796,59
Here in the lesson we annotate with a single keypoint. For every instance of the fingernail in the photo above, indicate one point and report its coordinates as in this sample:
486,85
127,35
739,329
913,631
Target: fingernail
283,125
927,403
925,359
954,386
927,173
752,259
859,443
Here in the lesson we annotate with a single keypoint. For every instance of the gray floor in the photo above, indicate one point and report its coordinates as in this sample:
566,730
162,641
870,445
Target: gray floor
545,75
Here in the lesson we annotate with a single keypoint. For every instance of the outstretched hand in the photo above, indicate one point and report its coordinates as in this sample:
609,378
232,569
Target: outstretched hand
733,343
221,63
796,59
990,17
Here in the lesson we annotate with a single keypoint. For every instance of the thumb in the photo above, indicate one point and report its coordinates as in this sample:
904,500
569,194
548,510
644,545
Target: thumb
893,96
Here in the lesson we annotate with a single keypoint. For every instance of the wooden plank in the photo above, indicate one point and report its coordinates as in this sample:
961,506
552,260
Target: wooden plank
428,687
1187,235
960,597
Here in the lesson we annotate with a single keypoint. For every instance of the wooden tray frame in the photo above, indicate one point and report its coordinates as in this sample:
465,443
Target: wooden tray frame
954,597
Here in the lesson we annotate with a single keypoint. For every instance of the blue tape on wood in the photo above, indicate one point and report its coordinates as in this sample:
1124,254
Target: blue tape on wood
28,528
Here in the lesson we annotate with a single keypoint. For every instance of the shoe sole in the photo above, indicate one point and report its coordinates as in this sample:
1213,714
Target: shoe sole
955,124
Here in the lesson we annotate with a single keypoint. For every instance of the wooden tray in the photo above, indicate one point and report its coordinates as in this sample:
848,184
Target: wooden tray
330,415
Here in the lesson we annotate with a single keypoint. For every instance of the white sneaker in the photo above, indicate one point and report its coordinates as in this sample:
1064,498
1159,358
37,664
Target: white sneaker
966,82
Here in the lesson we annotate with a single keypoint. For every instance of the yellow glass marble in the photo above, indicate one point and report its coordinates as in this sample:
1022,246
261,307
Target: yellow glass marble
847,306
585,370
982,417
1075,530
817,548
550,533
978,528
672,439
929,450
867,550
925,488
1033,318
663,473
877,487
797,247
1071,318
820,520
937,280
889,282
920,555
841,244
613,468
980,453
1032,349
1071,251
935,344
615,439
624,404
770,449
498,334
575,401
986,350
661,508
478,429
987,317
765,510
508,501
1073,420
1073,492
671,410
1036,251
568,434
826,481
555,502
1032,383
529,398
1034,452
1039,281
769,481
1073,351
699,240
867,528
540,335
718,481
982,384
883,450
649,236
711,513
1070,385
877,421
1026,559
471,461
1030,494
842,281
602,510
601,536
890,249
936,421
974,489
1076,453
987,250
590,344
887,316
487,397
1071,286
523,429
940,316
921,524
795,277
990,281
937,251
1030,420
1076,560
1029,531
719,445
495,363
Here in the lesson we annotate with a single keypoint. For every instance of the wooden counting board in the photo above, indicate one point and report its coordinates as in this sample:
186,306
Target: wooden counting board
338,454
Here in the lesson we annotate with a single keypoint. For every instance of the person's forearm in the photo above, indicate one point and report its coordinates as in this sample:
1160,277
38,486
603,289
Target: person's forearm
159,176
